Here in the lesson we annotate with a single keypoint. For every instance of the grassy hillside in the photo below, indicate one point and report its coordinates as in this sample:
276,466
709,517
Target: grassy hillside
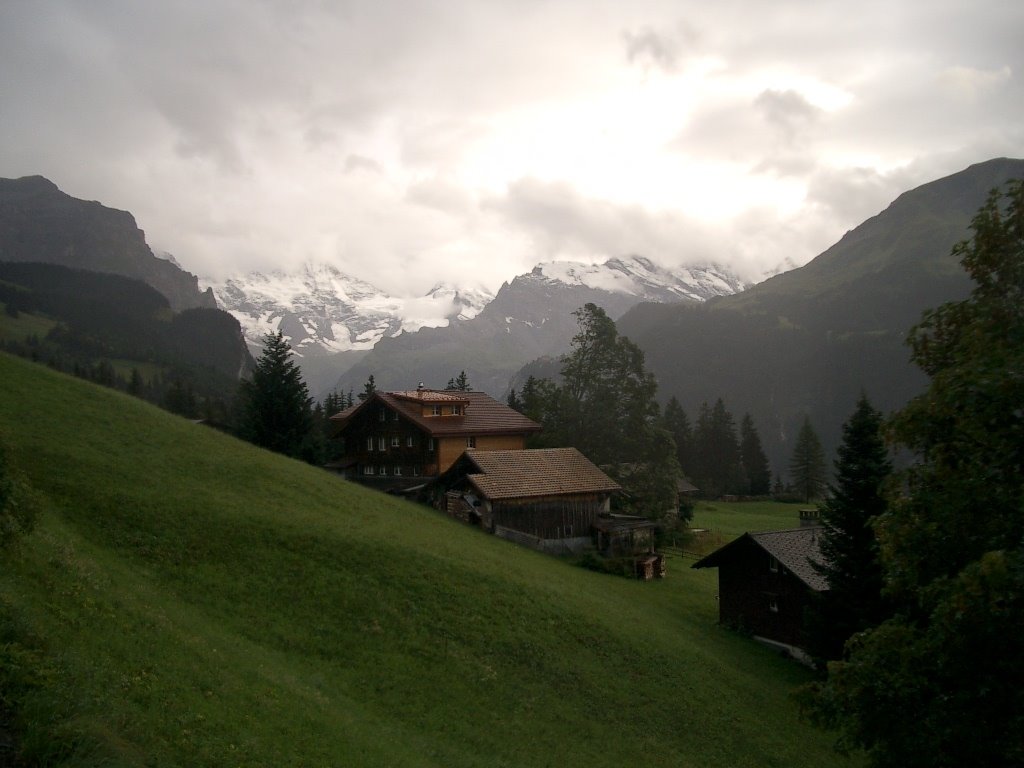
188,599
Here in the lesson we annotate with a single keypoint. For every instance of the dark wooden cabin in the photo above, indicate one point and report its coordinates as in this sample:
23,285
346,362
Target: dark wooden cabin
765,581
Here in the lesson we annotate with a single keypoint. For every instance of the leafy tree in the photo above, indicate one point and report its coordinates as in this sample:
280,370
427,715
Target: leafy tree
753,458
940,683
276,406
807,465
848,541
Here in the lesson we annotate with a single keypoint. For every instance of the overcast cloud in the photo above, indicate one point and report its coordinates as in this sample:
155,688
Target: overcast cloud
410,141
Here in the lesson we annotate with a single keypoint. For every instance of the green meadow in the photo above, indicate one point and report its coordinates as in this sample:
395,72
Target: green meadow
188,599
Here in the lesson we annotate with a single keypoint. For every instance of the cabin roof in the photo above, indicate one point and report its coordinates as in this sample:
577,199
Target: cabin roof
536,472
795,548
482,415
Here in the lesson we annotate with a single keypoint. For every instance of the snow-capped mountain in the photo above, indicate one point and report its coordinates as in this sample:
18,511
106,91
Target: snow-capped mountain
638,277
320,309
530,317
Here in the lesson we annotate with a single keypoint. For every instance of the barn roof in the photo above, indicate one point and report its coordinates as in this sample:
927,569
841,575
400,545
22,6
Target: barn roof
795,548
482,414
536,472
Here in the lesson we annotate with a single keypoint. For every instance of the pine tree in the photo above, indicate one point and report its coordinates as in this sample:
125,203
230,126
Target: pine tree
459,383
368,388
848,541
753,458
276,406
940,683
678,425
807,465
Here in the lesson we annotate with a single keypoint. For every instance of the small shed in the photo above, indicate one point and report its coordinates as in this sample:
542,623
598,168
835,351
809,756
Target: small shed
765,581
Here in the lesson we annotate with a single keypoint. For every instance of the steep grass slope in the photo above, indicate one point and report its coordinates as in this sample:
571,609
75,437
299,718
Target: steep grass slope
190,600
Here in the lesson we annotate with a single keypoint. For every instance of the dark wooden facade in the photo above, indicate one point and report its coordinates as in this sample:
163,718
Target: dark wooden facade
765,582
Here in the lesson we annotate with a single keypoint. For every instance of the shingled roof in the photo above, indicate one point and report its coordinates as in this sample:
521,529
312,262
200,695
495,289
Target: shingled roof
536,472
795,548
483,415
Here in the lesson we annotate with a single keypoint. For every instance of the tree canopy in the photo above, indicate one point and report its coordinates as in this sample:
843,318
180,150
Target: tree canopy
807,465
940,682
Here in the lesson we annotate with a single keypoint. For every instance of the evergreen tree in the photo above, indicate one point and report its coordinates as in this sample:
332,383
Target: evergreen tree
807,465
940,683
135,384
678,426
755,462
276,406
513,401
459,383
848,541
368,388
718,467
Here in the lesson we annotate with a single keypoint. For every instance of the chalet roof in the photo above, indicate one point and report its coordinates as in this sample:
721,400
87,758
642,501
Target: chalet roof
536,472
483,415
795,548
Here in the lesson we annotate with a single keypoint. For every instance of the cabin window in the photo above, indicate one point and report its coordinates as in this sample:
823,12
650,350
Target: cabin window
383,415
410,441
435,411
368,469
773,565
382,444
383,470
416,471
430,443
369,443
394,416
773,603
456,410
398,470
395,442
471,442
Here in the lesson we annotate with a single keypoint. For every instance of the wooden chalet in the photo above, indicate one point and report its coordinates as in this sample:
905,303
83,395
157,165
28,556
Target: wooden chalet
548,499
396,440
765,581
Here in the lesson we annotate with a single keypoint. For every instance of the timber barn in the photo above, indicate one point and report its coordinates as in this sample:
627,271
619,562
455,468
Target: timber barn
395,440
765,581
547,498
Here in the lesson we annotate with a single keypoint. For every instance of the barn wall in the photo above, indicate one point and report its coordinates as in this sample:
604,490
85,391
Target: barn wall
746,585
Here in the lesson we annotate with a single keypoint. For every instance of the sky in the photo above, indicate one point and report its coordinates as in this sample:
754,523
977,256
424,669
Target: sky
411,142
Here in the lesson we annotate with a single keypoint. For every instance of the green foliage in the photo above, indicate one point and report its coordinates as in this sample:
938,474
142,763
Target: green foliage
718,468
678,426
18,506
195,601
807,464
606,407
940,683
459,383
276,406
848,541
753,459
368,388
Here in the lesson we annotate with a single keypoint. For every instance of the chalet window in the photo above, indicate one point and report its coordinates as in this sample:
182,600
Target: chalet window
435,411
773,603
471,442
383,470
394,416
368,469
416,471
456,410
430,443
398,470
382,444
773,565
410,441
369,443
395,442
383,414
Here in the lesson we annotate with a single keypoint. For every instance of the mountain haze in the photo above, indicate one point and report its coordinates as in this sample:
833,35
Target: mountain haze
39,223
810,340
530,316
